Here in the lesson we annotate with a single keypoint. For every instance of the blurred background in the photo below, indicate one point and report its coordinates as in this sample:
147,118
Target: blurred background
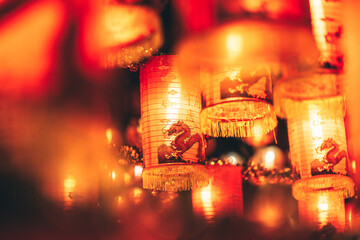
64,120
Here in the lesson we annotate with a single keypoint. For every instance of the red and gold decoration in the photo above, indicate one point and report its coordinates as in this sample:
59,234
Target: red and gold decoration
267,166
237,102
315,108
223,197
127,33
351,72
236,68
171,136
326,18
321,200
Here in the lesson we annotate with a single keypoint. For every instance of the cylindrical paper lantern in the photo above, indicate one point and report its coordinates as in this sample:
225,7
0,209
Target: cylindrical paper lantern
237,102
320,208
326,18
314,107
223,197
352,74
171,136
236,68
125,34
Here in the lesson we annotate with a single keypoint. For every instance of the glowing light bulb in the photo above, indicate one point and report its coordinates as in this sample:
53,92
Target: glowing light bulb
138,170
109,135
269,159
113,175
234,45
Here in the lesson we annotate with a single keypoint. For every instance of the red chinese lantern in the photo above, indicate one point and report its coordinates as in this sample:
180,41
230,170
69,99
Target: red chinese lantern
321,201
236,68
171,136
352,53
326,18
223,197
121,34
314,107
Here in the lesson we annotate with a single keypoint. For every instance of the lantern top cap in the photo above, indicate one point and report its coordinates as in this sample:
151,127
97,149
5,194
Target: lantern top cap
321,92
247,42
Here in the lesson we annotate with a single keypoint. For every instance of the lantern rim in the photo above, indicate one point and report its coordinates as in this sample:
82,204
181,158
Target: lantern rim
226,126
321,183
175,177
321,91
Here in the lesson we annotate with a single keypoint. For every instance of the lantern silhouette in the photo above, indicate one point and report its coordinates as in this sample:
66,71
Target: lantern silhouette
321,200
236,68
326,18
171,136
223,197
123,34
314,108
352,53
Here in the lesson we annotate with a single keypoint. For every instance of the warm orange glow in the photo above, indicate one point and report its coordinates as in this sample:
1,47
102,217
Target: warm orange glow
352,52
353,165
137,192
120,200
207,203
318,145
109,135
222,197
69,188
127,178
168,105
120,34
138,169
269,159
269,215
327,30
170,108
323,207
113,175
27,40
233,45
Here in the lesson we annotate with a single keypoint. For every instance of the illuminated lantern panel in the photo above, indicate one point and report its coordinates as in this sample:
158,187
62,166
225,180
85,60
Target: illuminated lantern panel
171,136
318,146
321,199
352,53
326,18
321,208
314,107
223,197
236,68
237,102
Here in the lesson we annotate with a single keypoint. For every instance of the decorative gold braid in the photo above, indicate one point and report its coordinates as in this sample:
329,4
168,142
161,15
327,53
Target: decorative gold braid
175,177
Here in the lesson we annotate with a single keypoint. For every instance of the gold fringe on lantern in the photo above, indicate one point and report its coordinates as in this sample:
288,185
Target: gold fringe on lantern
175,177
123,21
132,54
250,122
323,182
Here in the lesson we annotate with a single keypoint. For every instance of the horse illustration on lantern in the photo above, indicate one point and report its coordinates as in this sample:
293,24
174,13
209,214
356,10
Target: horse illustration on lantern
332,157
183,141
